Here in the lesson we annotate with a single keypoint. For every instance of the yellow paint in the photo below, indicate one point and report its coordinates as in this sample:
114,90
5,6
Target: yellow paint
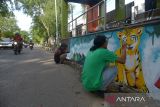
131,72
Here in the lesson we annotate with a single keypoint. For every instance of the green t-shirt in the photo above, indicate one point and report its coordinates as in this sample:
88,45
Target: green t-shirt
94,66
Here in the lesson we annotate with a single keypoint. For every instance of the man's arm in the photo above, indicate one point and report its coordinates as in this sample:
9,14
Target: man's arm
122,59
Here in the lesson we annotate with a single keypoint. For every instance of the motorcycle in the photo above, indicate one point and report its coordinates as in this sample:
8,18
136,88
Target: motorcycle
17,48
31,46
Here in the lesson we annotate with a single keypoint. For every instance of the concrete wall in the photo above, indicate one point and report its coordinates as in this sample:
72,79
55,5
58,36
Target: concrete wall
142,67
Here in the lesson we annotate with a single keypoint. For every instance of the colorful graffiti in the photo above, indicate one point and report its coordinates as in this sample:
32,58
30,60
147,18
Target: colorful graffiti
131,72
79,48
141,69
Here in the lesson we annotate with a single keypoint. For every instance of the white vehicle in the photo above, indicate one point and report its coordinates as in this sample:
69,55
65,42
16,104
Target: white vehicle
6,43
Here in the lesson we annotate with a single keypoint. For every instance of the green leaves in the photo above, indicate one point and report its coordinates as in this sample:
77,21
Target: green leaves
8,23
25,36
44,17
4,8
43,14
8,26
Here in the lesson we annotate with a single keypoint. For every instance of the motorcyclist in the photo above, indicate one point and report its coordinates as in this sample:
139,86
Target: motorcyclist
19,40
31,44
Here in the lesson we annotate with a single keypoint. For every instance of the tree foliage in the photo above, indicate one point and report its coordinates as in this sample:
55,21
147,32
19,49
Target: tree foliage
25,35
38,32
8,23
43,15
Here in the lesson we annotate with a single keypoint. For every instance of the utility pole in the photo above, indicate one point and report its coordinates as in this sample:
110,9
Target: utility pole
57,36
72,16
71,7
105,7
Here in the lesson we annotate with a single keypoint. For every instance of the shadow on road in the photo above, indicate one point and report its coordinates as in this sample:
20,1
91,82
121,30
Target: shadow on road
33,79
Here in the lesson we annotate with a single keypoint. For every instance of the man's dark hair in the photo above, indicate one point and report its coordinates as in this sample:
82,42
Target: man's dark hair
63,46
99,40
61,50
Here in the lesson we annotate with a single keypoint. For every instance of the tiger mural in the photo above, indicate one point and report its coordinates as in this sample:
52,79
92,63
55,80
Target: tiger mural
131,72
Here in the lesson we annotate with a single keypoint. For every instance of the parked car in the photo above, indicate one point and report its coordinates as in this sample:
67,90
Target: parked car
6,43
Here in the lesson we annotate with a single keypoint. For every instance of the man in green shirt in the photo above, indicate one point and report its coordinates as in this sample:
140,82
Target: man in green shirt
97,74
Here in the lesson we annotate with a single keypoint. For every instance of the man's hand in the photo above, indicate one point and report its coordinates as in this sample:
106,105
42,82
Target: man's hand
124,46
122,59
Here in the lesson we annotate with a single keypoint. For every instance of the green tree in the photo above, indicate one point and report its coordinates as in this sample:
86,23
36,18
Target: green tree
44,11
8,26
38,32
25,35
8,23
4,9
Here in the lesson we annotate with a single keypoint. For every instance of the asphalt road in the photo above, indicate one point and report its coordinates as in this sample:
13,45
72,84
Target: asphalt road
32,79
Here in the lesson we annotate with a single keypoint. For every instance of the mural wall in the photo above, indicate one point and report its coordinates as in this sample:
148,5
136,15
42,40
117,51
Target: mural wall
142,67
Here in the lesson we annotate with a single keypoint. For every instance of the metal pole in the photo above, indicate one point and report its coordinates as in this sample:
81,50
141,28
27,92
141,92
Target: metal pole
87,22
75,27
72,16
89,9
105,1
57,38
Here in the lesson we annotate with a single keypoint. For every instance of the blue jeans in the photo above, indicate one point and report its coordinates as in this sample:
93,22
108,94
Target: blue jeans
109,75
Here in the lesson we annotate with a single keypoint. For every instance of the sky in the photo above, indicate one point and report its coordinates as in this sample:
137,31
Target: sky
24,21
111,3
77,11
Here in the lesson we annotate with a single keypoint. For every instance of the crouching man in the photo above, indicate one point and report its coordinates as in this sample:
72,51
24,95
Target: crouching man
61,54
97,74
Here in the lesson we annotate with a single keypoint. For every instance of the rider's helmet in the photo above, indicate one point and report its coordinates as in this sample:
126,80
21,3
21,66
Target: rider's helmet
17,34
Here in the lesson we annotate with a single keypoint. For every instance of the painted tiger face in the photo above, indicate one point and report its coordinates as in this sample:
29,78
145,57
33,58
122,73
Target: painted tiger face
131,37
